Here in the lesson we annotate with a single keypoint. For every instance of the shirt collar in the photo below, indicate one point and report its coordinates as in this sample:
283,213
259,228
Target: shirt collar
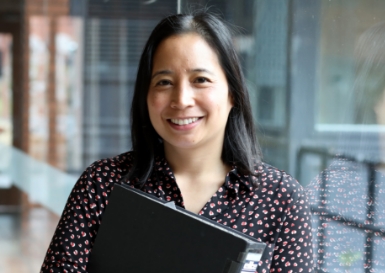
237,181
234,181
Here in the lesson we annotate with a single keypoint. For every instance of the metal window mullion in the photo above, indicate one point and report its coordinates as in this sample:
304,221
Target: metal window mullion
322,222
369,217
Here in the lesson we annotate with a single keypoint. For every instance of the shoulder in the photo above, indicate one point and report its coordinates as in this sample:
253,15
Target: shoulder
277,182
96,183
102,174
117,166
122,161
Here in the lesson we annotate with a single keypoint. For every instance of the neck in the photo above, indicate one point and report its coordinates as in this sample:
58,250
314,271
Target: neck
193,163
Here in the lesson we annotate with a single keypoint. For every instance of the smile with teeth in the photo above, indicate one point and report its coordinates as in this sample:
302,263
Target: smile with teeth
184,121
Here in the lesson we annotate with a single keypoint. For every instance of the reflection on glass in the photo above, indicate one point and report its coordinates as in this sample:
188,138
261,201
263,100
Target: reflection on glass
338,77
347,198
316,84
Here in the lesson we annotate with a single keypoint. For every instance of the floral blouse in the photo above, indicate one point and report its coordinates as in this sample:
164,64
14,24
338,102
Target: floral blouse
275,212
349,217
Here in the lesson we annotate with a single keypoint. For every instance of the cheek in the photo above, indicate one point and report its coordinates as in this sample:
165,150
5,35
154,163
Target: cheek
154,103
217,95
221,102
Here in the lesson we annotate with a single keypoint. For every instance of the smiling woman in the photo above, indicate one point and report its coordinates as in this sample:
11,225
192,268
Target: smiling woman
190,103
193,143
211,35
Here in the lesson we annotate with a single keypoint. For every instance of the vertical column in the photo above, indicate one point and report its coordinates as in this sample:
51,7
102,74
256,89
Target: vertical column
40,19
304,42
52,156
267,72
69,92
20,84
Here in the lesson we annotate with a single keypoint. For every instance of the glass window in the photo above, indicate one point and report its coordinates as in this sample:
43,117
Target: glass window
316,71
316,77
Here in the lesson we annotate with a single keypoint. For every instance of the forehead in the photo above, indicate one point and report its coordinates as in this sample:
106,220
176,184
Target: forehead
186,48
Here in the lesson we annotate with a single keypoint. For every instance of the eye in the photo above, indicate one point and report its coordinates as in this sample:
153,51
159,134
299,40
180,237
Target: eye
201,80
163,83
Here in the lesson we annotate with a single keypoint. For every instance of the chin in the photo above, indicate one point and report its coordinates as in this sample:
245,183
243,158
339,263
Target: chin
182,144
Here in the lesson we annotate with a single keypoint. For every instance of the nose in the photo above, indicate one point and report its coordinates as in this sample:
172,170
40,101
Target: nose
182,96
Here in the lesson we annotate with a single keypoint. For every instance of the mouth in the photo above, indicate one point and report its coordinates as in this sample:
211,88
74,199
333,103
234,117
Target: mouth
185,121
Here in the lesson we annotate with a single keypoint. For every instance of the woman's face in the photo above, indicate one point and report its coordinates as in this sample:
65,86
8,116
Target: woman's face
188,98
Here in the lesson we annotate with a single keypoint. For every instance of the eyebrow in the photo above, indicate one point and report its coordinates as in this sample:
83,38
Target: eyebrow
202,70
168,72
164,72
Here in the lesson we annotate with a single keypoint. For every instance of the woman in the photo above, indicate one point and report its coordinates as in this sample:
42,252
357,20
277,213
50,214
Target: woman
193,143
349,196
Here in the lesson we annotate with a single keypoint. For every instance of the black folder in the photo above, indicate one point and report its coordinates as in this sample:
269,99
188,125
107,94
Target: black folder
143,234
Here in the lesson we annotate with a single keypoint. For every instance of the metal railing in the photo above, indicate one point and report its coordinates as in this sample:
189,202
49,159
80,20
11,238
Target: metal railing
42,183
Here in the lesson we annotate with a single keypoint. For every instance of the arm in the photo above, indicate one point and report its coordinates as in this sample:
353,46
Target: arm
76,231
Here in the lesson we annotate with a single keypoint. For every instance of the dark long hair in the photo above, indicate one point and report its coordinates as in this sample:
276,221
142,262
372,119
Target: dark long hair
240,143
